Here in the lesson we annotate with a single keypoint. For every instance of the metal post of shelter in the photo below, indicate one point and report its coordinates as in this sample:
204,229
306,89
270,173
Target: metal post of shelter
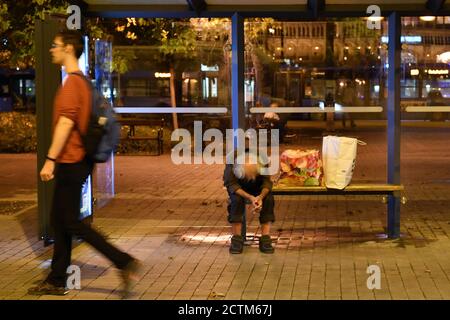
393,123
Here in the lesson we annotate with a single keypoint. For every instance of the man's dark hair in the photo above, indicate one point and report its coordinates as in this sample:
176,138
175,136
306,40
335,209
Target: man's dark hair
73,37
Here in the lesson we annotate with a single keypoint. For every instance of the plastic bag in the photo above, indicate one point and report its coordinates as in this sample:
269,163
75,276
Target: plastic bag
300,168
339,159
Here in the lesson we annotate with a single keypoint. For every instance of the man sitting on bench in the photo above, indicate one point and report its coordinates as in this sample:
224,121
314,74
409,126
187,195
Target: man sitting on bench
245,183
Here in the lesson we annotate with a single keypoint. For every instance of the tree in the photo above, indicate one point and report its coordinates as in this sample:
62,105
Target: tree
174,39
4,22
4,26
17,29
255,31
121,61
255,46
177,44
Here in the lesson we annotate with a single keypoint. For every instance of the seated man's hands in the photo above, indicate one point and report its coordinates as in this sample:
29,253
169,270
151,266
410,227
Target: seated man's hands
257,204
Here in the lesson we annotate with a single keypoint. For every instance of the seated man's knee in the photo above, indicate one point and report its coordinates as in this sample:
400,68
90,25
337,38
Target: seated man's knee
267,212
236,208
237,199
237,202
269,199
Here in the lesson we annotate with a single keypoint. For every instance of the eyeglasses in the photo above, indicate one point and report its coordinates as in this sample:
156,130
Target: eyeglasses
55,45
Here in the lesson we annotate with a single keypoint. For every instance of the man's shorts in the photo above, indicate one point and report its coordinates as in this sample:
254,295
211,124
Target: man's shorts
236,209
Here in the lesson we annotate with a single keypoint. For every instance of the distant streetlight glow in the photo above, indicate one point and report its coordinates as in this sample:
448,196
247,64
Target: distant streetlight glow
443,57
375,18
427,18
162,74
437,71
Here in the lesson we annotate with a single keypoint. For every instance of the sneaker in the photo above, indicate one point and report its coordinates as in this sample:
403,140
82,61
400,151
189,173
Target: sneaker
130,276
46,288
265,244
237,244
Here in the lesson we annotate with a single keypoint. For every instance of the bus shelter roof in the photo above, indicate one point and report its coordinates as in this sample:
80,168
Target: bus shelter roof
287,9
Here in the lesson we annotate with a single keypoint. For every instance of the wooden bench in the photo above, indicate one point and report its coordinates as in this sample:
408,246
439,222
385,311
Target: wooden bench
356,189
132,123
353,189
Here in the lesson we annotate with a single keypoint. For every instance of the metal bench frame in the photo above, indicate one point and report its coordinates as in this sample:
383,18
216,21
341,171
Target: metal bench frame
391,190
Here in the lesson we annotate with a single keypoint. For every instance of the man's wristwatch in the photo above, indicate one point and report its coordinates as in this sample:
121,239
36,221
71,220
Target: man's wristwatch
51,159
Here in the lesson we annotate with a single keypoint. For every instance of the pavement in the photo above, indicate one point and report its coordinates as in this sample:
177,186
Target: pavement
173,218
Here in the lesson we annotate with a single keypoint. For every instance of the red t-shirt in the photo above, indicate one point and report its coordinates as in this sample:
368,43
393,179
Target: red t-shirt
73,100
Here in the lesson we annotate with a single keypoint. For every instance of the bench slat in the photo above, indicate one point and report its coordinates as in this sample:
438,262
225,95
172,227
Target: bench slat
353,188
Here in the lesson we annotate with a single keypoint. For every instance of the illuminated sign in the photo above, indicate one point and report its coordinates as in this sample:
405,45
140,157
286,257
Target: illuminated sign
162,74
404,39
86,199
204,67
437,71
444,57
414,72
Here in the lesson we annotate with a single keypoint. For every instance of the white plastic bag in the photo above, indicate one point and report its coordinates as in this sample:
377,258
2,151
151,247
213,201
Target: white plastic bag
339,157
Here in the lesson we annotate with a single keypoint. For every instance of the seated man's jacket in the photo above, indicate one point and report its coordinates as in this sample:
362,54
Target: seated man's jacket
232,183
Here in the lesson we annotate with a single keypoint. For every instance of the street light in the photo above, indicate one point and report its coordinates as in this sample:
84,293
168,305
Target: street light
375,18
427,18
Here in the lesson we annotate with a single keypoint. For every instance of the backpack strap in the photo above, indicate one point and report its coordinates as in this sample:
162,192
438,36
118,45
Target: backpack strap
81,75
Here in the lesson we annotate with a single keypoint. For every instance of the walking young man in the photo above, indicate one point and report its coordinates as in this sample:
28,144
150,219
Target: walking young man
66,163
245,183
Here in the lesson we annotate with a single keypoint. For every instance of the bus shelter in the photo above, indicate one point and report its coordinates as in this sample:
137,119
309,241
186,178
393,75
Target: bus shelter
48,76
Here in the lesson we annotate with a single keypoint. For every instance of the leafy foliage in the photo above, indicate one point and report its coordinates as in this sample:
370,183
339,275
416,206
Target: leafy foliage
18,132
17,26
122,59
19,135
4,19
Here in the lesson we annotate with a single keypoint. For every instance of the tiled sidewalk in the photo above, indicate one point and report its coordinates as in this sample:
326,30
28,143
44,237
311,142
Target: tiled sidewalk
173,218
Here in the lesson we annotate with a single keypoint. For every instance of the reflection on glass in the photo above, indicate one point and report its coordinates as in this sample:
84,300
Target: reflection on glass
425,70
104,173
308,64
165,63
